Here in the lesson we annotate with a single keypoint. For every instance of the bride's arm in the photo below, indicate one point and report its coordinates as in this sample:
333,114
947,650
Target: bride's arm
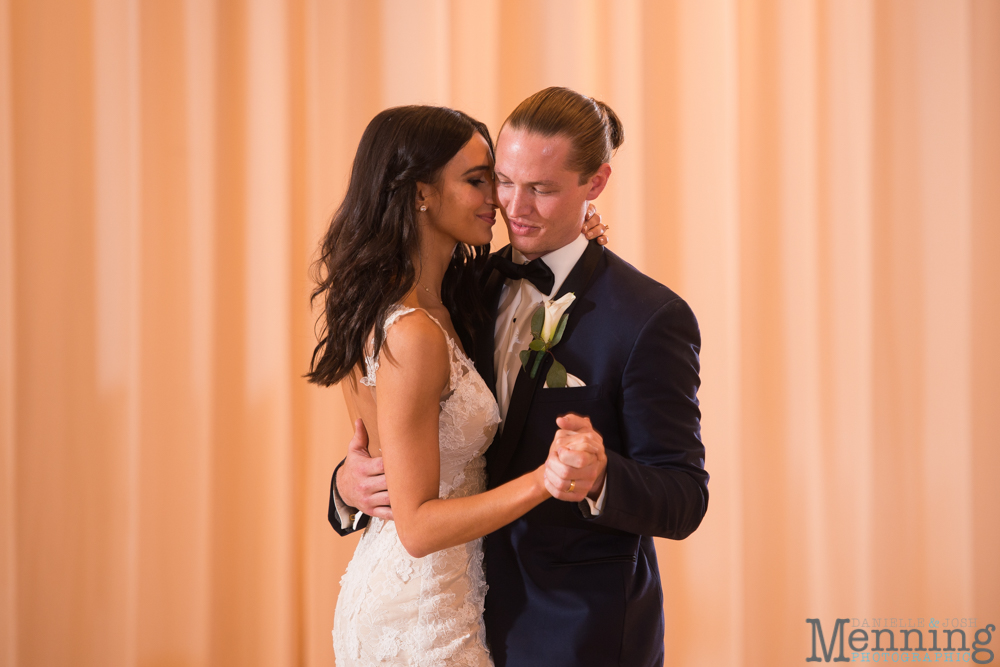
414,372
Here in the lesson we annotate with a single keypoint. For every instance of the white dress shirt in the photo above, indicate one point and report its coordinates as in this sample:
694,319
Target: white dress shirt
518,301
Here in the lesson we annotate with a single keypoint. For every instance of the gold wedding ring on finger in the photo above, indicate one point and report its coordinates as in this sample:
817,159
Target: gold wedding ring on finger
572,485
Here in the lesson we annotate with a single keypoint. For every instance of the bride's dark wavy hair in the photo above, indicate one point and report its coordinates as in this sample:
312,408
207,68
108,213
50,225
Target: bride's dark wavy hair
366,259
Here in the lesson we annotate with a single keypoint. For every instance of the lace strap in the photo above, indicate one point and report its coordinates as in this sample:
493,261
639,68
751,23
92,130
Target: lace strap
454,363
398,313
371,361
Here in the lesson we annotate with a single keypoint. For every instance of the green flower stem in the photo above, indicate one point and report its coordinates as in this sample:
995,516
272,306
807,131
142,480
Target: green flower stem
538,362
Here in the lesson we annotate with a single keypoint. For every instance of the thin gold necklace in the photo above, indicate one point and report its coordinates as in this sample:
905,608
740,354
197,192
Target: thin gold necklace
437,298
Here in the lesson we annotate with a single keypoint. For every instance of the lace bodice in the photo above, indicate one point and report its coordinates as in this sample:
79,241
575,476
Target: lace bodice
394,609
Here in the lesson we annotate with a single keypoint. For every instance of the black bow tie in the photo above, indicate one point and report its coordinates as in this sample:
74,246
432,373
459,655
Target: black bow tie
536,272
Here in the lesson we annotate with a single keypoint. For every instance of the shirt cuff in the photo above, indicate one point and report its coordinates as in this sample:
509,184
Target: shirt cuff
594,508
348,516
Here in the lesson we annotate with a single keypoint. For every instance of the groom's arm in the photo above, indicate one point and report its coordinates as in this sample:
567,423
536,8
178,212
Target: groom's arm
344,518
657,485
358,482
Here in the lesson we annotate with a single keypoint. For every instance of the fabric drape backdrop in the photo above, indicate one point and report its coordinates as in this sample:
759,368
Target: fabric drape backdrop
820,179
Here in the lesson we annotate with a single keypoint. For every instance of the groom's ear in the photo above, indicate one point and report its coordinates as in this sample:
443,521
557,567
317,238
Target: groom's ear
598,181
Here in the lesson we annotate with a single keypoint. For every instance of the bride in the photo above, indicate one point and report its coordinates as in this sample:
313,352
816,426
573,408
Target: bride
399,284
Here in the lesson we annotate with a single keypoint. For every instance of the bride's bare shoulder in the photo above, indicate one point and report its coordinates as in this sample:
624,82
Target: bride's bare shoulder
415,344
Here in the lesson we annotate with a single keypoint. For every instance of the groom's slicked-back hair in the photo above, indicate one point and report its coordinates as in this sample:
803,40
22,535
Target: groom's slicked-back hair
591,125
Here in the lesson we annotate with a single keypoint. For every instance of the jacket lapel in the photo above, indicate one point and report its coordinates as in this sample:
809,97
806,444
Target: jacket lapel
499,454
485,336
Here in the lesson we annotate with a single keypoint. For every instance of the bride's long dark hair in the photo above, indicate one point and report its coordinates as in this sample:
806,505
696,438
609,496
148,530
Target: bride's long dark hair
366,261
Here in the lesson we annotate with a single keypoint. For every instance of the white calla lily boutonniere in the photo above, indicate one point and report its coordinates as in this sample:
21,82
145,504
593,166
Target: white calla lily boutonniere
547,326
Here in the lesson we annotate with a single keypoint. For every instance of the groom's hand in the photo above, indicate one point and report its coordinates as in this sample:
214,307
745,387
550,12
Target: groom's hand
361,480
576,460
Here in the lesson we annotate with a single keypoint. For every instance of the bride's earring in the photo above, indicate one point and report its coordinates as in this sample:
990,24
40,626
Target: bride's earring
423,208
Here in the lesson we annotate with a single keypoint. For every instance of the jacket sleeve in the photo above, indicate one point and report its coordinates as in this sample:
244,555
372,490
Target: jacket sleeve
340,514
657,485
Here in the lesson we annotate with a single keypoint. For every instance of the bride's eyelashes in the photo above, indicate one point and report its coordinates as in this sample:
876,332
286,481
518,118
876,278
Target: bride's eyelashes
485,179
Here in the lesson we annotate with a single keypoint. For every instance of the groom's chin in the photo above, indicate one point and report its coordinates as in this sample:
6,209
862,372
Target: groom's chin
524,243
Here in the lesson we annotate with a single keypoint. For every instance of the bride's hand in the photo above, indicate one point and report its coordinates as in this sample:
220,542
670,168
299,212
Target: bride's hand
576,459
592,226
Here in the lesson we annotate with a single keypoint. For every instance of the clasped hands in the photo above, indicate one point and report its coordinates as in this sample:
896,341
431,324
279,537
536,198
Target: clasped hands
576,465
575,468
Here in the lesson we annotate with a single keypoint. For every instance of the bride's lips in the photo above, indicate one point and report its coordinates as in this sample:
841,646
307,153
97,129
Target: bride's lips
492,218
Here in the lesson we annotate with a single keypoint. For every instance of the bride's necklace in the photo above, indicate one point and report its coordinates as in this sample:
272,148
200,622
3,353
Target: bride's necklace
436,298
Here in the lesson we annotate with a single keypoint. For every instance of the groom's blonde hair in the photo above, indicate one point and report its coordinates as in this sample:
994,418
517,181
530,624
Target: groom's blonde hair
591,125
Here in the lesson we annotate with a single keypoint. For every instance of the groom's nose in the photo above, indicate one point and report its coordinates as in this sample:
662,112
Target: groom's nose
518,204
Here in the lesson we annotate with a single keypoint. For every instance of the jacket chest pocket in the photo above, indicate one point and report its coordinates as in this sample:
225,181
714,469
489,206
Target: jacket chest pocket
567,394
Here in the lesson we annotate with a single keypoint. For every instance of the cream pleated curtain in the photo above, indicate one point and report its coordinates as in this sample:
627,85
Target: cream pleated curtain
820,179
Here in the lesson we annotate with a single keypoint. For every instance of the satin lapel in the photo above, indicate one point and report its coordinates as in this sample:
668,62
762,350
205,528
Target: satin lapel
499,454
487,333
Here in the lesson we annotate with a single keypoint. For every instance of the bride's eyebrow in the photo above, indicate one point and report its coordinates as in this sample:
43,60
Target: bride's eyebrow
482,167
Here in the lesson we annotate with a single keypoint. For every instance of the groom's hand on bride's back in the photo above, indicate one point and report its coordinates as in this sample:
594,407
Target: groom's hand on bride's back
576,460
361,480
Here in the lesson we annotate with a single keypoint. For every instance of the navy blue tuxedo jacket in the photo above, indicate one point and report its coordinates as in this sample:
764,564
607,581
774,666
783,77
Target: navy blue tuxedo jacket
566,588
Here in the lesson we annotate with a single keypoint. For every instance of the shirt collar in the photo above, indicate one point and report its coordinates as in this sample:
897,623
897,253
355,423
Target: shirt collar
561,261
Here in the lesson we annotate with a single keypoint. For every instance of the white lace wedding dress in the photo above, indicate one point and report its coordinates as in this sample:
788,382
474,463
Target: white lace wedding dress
394,609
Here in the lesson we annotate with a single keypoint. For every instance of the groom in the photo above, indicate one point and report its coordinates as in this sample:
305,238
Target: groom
575,583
